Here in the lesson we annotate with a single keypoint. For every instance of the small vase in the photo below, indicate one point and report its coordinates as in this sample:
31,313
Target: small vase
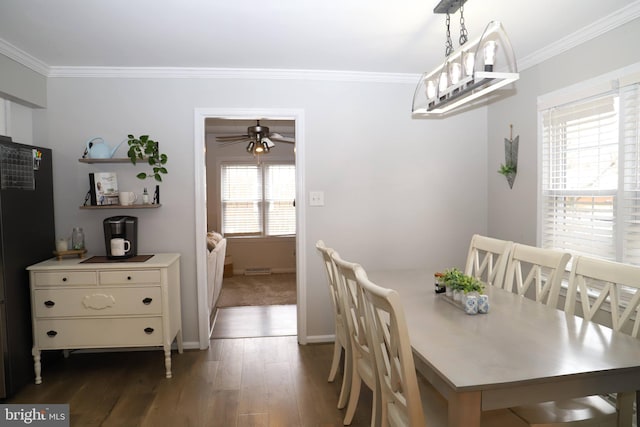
483,304
470,304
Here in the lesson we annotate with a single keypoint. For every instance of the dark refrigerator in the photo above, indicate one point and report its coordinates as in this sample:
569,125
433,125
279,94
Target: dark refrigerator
27,236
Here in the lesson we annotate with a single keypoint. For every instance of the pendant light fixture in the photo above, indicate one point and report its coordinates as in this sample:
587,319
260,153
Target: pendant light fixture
474,70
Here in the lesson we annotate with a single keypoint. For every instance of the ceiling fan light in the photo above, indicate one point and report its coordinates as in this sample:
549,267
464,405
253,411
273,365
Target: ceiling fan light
268,143
250,147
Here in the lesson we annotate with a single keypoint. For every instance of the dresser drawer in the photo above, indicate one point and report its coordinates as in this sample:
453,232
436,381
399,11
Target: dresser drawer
102,301
87,333
129,276
53,278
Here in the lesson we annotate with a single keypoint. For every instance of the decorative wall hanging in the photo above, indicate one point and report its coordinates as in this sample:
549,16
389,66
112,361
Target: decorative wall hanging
510,166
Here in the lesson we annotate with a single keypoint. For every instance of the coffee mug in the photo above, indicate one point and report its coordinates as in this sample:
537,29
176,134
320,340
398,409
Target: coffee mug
119,246
127,198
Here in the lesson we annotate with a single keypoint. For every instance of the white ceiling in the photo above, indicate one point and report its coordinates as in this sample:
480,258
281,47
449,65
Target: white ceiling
376,36
382,36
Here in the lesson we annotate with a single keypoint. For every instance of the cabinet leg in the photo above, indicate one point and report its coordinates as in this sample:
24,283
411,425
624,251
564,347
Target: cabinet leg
37,367
167,360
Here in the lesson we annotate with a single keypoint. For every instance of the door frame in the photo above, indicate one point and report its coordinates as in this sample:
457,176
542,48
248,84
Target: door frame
199,170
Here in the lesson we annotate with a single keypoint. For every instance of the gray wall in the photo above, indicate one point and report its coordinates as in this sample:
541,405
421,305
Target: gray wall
22,84
513,213
398,191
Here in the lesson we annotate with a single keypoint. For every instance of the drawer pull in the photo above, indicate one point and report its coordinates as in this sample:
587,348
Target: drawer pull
52,333
148,330
49,303
147,301
64,279
128,277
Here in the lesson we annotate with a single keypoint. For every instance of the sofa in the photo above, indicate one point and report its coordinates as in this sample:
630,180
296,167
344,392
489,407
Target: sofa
216,251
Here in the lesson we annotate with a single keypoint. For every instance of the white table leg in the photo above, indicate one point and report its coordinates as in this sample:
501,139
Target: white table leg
37,367
465,409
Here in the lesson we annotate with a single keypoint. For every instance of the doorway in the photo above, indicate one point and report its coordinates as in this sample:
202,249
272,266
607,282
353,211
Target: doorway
228,116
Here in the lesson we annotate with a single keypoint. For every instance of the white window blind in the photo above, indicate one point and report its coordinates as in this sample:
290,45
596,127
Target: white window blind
258,200
590,176
280,193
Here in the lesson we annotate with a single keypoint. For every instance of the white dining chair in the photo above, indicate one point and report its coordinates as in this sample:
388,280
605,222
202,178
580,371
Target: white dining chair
617,287
341,343
536,272
363,364
487,259
406,399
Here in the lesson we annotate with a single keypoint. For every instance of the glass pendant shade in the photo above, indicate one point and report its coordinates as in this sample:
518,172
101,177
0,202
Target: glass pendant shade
475,69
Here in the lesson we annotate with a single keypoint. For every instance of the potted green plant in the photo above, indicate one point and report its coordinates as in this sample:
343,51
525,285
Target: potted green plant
470,284
144,148
452,279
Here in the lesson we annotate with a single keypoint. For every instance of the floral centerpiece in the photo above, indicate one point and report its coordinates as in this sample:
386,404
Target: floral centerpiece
456,280
463,289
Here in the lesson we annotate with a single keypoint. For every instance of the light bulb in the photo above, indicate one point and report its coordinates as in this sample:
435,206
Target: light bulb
259,148
455,69
469,63
489,55
431,89
444,82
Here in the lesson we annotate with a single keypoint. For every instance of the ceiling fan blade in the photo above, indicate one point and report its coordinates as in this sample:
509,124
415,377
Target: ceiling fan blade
279,138
232,137
228,143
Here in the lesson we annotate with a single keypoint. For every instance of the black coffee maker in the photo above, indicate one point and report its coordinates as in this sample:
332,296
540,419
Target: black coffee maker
121,227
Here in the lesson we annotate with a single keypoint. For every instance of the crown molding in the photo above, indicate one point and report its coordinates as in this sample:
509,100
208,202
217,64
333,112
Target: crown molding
23,58
591,31
231,73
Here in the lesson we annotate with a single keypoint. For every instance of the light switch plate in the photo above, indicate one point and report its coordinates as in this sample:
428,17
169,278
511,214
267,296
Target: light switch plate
316,198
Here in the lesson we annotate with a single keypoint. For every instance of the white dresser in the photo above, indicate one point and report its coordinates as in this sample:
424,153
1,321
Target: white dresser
78,305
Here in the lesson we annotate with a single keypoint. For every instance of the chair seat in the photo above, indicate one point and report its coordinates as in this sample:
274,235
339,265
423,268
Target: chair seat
591,411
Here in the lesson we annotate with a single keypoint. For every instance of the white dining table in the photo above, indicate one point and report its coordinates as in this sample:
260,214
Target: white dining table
520,352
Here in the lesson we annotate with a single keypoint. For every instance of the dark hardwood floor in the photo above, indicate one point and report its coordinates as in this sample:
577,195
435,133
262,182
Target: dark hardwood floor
269,381
255,321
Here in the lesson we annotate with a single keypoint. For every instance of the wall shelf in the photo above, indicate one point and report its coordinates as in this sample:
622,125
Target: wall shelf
109,160
98,207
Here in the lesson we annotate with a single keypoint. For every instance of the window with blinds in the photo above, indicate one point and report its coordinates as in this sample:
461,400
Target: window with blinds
258,200
591,176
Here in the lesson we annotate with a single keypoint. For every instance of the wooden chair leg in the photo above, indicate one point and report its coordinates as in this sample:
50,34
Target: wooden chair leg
337,352
346,379
354,395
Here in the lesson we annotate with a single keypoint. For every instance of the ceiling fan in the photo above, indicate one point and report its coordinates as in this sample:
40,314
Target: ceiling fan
259,139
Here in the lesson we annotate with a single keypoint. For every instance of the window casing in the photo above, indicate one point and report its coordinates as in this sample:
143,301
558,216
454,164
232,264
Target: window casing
258,199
